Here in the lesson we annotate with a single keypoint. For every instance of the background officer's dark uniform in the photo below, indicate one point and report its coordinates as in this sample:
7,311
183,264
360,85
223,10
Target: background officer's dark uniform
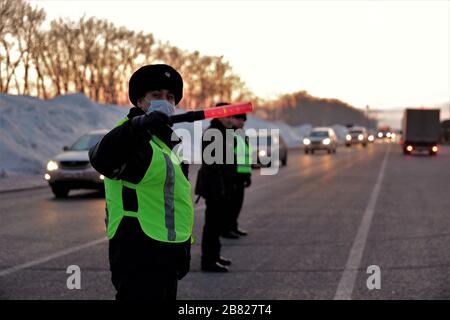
240,182
215,184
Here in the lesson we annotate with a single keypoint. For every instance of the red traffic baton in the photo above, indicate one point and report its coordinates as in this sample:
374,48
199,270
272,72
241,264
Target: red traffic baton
216,112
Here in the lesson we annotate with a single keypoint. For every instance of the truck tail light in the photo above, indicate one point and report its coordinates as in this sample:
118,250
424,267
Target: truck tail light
409,148
434,149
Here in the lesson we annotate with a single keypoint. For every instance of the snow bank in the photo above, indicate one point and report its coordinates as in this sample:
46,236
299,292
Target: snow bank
288,133
33,130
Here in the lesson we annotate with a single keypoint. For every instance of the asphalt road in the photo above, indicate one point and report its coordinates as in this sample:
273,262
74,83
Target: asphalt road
314,229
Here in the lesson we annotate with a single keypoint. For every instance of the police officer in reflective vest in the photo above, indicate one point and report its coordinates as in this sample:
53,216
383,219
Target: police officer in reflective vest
242,179
149,211
215,183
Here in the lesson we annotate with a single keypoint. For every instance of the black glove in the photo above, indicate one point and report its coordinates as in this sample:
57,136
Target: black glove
247,181
150,122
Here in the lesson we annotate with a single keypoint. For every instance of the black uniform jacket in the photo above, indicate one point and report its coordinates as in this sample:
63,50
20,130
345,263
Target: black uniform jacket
124,154
215,180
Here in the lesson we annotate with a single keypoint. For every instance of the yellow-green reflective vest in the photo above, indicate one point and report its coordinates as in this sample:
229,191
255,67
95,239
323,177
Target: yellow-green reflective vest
161,201
243,155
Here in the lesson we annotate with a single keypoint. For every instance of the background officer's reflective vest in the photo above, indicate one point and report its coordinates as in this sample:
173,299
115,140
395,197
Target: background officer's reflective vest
161,201
243,155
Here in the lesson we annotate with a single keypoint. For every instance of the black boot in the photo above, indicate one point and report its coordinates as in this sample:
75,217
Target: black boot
214,267
224,261
230,235
240,232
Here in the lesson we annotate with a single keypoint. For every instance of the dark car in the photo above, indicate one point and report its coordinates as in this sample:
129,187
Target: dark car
262,147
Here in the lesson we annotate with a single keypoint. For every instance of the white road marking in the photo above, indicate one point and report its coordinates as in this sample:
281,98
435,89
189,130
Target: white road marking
101,240
50,257
346,284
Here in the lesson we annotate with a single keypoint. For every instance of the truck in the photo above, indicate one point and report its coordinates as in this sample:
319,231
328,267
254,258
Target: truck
421,130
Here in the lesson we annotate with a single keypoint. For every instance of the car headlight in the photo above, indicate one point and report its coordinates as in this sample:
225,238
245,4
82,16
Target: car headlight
371,138
348,137
52,165
262,153
380,135
326,141
306,142
360,137
388,134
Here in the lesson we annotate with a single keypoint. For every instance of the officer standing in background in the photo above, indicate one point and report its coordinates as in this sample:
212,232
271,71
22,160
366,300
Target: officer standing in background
215,184
149,210
242,177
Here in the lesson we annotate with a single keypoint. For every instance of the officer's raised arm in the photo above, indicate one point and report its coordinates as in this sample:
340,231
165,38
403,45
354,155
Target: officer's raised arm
119,154
109,155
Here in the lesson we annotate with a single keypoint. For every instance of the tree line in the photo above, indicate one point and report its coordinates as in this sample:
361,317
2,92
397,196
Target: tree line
94,57
302,108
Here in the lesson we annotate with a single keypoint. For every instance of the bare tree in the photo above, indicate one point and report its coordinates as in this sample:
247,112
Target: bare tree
9,56
95,57
26,31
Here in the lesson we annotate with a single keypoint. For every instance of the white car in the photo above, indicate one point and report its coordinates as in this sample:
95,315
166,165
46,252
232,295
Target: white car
321,139
357,135
71,169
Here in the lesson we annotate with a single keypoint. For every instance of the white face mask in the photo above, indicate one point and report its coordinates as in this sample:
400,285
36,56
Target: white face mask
163,106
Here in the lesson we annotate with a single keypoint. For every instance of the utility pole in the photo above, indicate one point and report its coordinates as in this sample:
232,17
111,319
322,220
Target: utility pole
367,116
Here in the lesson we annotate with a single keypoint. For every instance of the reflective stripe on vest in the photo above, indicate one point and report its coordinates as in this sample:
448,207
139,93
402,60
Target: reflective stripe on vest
168,199
243,155
161,201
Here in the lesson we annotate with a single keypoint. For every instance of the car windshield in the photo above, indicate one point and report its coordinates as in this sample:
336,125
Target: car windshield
319,134
86,142
356,131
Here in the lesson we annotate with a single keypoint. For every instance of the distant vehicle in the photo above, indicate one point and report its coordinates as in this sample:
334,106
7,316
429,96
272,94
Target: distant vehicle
384,133
322,138
341,133
445,131
421,130
371,135
261,148
71,169
357,135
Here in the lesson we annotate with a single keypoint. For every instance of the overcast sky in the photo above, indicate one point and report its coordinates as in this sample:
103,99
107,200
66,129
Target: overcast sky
378,53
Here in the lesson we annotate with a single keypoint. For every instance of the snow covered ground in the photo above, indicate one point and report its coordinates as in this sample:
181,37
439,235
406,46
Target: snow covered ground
32,131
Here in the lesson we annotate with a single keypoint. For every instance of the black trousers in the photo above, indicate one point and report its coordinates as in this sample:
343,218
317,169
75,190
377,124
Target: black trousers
152,285
215,224
143,268
237,200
